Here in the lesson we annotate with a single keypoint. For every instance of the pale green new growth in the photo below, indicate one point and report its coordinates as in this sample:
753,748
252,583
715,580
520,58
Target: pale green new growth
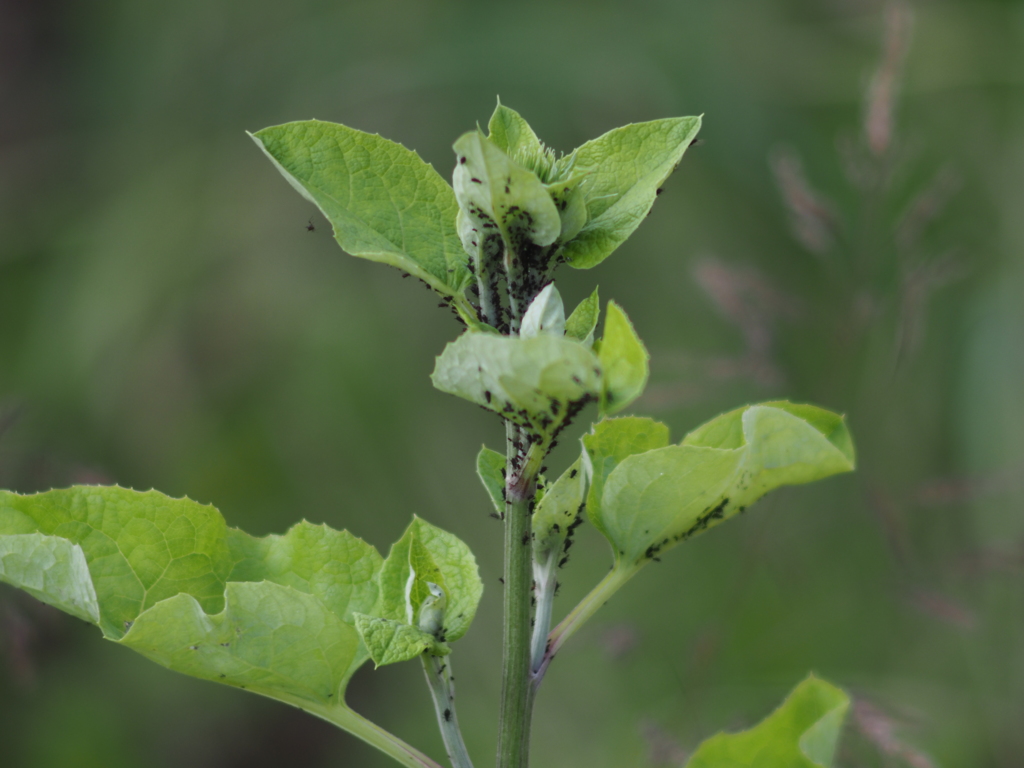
384,202
512,134
651,501
802,733
558,510
625,361
582,323
532,382
490,468
625,169
427,555
546,315
390,641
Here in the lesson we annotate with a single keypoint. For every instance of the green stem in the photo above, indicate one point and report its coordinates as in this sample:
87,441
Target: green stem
372,734
579,615
442,689
520,485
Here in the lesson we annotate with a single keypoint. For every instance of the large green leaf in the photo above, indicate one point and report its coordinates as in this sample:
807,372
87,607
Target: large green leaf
624,359
651,501
428,555
536,382
624,169
169,579
802,733
384,202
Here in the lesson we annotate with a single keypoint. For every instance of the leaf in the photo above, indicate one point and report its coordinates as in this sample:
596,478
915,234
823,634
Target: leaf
384,202
425,554
392,641
169,579
140,548
50,569
624,168
496,193
802,733
490,468
559,510
583,320
511,133
609,443
624,359
652,501
269,638
787,444
546,314
536,382
571,202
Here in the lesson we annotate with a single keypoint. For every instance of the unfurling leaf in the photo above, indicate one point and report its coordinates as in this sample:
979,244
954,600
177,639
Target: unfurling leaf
538,383
511,133
390,641
559,510
624,360
651,501
583,320
624,169
427,555
545,315
490,468
802,733
384,202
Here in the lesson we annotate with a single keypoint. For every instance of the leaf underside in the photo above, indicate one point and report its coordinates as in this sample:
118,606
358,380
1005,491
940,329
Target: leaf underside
802,733
166,577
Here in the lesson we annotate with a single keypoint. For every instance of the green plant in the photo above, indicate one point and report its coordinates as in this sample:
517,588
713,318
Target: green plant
293,616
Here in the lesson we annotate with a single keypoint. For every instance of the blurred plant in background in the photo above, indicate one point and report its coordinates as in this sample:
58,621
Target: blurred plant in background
158,327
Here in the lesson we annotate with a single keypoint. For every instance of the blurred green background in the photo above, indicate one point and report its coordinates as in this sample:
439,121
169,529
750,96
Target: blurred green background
850,233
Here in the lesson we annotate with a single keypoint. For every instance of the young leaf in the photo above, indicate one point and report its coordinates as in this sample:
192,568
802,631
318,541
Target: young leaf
490,468
392,641
511,133
534,382
571,202
624,359
495,192
802,733
583,320
652,501
559,510
384,202
426,554
545,315
625,168
609,443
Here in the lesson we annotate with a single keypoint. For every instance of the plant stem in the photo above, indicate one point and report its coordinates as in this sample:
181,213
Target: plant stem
579,615
372,734
442,688
520,485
